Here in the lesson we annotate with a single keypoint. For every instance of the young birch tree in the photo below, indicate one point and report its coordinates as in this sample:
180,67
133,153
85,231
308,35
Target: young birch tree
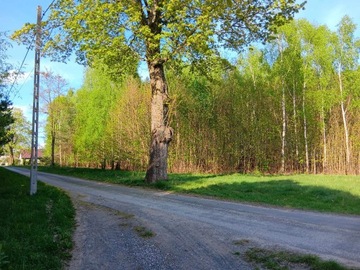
158,31
346,58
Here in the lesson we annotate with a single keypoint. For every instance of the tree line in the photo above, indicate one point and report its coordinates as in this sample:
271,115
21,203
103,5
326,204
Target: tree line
290,106
159,33
6,115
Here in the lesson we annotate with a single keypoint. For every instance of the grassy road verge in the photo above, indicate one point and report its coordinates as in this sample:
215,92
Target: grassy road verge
325,193
35,231
338,194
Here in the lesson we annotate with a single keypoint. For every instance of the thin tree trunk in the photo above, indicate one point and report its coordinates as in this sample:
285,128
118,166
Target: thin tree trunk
60,155
307,163
346,131
60,145
161,133
283,108
295,127
324,140
52,148
283,134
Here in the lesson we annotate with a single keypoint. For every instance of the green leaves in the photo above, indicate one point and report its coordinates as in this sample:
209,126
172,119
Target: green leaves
156,30
6,119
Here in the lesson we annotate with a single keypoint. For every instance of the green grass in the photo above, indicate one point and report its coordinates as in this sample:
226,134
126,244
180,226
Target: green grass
143,232
35,231
325,193
339,194
281,260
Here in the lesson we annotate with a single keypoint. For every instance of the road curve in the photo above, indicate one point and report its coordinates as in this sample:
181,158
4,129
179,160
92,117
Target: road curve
171,216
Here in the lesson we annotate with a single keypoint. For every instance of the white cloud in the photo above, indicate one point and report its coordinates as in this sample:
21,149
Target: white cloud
19,79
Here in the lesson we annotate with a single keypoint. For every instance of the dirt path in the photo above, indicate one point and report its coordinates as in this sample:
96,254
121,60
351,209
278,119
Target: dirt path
127,228
111,239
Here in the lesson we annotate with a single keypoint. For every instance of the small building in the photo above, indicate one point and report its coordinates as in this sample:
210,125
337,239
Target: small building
25,156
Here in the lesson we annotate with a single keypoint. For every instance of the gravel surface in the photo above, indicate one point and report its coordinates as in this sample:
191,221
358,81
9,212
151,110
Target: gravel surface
108,239
130,228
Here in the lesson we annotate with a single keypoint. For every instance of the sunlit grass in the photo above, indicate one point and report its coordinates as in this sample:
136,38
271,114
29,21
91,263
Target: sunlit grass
35,231
326,193
349,184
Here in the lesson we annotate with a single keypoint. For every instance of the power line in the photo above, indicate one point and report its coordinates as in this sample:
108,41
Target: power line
47,9
27,51
19,70
25,81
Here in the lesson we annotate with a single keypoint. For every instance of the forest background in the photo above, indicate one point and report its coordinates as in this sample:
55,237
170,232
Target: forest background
288,106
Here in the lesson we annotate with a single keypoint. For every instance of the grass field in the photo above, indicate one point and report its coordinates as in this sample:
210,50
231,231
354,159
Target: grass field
35,231
325,193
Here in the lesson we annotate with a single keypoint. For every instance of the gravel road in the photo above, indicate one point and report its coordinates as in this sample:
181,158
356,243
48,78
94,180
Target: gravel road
133,228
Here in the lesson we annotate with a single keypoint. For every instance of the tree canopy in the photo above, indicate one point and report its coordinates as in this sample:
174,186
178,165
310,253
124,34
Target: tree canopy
5,104
156,31
231,119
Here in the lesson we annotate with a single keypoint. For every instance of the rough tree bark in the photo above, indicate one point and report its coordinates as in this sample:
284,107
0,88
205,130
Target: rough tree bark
12,158
161,133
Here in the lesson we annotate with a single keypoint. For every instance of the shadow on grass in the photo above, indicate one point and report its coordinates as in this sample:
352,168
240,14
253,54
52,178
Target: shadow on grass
109,176
130,178
284,193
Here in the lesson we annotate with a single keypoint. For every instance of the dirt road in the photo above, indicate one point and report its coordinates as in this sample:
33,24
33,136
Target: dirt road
184,232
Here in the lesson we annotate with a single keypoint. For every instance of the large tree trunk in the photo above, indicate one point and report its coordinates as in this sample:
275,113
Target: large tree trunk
12,158
161,133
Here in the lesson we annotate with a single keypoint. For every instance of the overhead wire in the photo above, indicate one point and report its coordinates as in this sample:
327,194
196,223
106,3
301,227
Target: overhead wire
24,81
26,54
19,69
46,10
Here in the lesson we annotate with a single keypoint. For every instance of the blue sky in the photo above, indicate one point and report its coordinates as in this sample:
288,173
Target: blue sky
15,13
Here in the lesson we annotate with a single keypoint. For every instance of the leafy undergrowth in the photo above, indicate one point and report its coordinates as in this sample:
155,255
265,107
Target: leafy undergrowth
35,231
325,193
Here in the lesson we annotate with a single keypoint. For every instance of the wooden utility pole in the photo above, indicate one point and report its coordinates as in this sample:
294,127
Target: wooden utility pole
35,118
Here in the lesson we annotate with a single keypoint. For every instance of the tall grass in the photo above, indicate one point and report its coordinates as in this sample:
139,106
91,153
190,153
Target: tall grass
35,231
